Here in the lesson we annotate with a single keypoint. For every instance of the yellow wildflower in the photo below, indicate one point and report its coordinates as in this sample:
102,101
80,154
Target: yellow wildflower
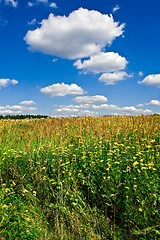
34,193
135,163
143,168
5,206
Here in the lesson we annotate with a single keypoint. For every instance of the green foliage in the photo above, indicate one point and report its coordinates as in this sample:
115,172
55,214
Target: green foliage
80,178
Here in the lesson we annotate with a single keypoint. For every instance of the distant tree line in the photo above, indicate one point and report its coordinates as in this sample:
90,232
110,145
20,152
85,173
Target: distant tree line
22,116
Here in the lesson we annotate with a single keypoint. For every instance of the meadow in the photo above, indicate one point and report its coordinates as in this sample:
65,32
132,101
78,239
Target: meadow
80,178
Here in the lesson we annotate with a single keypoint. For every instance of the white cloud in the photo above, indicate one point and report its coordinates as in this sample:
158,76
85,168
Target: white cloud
79,35
72,110
42,1
27,103
132,108
154,102
69,106
13,3
66,110
5,82
22,108
103,62
62,90
88,113
123,110
81,106
140,73
15,109
90,99
116,8
106,107
33,22
30,4
135,111
45,2
13,81
53,5
151,80
55,60
86,105
140,105
9,112
111,78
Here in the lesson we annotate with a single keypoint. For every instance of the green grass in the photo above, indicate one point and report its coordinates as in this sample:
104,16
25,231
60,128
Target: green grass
80,178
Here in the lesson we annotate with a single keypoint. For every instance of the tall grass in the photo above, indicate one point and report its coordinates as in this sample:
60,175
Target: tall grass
80,178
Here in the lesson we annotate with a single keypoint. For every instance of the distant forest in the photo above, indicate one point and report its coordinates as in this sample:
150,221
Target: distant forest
22,116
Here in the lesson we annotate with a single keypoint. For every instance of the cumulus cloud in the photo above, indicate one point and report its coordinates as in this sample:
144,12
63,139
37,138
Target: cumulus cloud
22,108
106,107
81,34
13,3
111,78
102,109
15,109
62,89
69,106
13,81
5,82
116,8
71,111
90,99
81,106
151,80
9,112
27,103
85,105
135,111
66,110
131,110
102,62
154,102
88,113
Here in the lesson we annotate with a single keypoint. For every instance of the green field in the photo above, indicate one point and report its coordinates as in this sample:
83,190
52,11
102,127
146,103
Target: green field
80,178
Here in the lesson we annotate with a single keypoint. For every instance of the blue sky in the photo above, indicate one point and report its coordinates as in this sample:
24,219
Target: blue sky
76,58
